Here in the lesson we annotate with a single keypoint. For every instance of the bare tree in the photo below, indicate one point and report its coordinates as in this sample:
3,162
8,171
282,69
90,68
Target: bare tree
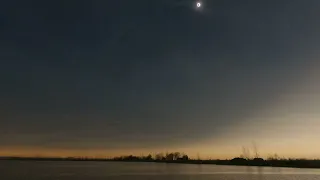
273,157
255,150
198,156
176,155
245,153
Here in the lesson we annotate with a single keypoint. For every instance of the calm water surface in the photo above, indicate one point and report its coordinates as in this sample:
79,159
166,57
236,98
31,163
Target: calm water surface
32,170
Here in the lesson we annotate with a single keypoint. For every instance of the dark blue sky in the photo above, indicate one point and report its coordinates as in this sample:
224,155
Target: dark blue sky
146,74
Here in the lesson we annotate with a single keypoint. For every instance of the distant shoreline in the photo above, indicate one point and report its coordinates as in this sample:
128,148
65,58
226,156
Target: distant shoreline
283,163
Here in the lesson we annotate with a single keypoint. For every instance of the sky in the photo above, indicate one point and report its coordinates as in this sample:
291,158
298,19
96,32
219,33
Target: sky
113,77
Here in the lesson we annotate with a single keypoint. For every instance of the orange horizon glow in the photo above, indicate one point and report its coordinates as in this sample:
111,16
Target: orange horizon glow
208,153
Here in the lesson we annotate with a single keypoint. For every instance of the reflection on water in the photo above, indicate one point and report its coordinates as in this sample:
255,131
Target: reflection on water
15,170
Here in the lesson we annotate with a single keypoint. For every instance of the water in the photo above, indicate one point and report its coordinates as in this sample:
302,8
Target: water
32,170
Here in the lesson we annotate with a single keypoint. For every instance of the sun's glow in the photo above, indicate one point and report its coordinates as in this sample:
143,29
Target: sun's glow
198,4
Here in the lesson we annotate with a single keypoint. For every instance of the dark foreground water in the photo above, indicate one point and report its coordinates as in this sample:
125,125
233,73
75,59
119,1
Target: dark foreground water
32,170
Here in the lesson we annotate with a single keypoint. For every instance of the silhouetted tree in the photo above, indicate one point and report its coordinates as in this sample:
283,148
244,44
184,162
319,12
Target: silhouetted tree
169,156
239,161
259,162
149,157
159,156
176,155
185,157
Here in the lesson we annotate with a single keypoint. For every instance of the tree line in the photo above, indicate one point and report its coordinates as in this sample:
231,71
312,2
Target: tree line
173,156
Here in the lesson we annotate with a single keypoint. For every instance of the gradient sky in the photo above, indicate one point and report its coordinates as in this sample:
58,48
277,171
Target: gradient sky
111,77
